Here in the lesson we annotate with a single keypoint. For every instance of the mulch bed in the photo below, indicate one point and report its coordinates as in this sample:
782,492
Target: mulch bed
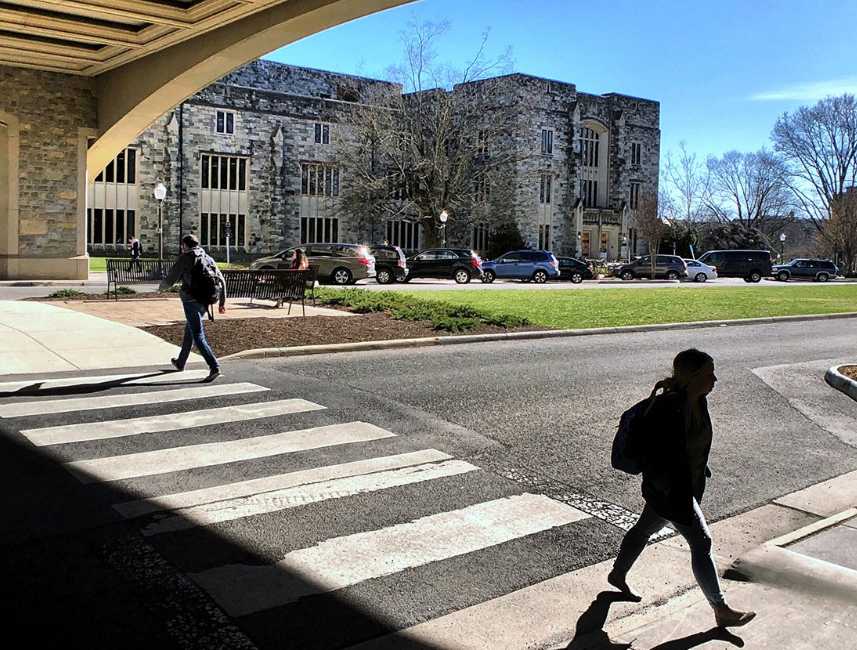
849,371
103,298
238,335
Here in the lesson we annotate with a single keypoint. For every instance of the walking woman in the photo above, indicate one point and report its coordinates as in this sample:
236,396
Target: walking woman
675,466
299,260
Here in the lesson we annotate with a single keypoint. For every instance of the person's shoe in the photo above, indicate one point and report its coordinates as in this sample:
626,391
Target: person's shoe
214,374
727,617
175,363
617,580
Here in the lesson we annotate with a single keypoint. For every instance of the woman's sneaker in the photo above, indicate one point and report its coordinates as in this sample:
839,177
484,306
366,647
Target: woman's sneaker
175,363
214,374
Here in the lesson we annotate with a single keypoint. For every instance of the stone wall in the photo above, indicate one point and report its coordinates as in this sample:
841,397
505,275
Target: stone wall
51,111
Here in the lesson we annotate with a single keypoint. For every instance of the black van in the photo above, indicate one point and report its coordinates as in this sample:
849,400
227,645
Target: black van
750,265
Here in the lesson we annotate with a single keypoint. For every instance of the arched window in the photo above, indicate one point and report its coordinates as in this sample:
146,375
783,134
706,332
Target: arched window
594,148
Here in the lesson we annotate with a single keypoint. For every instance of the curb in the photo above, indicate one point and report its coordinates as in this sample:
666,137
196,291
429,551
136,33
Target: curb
265,353
840,382
773,563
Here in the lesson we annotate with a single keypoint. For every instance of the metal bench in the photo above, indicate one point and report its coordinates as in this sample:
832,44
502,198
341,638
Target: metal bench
287,285
134,272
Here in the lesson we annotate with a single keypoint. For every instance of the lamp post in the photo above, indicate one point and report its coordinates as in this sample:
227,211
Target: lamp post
782,246
160,193
443,216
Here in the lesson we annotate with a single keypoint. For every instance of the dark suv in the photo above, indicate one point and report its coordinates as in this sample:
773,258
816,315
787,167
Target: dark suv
538,266
752,265
460,264
390,264
818,270
671,267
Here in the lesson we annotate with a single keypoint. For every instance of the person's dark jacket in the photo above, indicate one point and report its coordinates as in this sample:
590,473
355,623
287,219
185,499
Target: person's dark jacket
181,271
667,480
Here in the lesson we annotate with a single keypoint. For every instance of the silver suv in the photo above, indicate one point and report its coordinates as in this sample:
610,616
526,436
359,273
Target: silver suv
337,263
671,267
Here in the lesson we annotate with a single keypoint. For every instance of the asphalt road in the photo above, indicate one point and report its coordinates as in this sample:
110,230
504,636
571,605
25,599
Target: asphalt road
351,554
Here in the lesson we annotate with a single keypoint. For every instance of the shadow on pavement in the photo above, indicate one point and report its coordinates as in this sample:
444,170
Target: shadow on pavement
589,630
700,638
78,575
36,389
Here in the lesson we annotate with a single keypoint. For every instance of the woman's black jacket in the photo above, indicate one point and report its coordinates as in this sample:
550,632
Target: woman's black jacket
667,481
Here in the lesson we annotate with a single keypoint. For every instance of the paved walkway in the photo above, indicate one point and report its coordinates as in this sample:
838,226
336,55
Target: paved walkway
40,337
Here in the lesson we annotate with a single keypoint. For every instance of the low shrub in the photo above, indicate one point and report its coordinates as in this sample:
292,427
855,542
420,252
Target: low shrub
66,293
122,291
443,316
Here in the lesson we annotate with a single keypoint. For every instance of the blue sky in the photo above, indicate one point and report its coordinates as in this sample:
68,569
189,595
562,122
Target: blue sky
723,70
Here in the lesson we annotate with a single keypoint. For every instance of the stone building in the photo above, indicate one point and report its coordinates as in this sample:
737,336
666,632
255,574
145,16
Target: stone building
253,157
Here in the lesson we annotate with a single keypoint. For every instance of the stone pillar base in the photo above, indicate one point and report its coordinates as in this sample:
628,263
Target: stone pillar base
34,267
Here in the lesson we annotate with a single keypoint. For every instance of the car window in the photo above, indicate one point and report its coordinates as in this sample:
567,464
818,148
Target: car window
447,255
533,257
512,257
692,263
425,257
801,264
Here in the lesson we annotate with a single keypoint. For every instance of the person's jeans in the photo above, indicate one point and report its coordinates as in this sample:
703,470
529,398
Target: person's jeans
194,334
698,538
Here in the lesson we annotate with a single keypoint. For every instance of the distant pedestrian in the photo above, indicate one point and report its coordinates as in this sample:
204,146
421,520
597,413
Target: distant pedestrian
675,448
202,286
299,260
136,251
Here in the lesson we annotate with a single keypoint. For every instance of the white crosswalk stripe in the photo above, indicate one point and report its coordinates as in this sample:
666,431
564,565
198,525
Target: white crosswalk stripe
200,391
169,422
134,379
149,463
258,504
475,512
278,482
344,561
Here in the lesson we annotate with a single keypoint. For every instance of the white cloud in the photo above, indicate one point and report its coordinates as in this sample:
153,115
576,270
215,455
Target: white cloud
809,91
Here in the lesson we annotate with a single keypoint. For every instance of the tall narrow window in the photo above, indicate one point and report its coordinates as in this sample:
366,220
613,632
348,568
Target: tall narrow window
405,234
225,122
479,237
547,141
636,153
112,199
322,133
591,141
635,195
545,237
590,193
545,187
319,180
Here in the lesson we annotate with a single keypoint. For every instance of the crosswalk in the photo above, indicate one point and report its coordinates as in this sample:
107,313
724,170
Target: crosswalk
267,515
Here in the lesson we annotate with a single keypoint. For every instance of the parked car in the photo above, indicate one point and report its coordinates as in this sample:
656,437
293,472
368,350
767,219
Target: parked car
538,266
460,264
699,272
571,268
671,267
752,265
337,263
390,264
818,270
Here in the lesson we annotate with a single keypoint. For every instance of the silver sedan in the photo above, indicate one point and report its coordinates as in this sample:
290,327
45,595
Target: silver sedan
699,272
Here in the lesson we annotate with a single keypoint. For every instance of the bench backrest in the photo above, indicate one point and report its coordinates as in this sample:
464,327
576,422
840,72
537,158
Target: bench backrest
128,271
283,283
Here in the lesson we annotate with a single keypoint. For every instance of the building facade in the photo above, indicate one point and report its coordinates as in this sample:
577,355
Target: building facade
252,160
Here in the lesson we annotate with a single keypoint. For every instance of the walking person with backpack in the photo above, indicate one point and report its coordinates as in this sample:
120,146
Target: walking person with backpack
202,286
136,251
670,436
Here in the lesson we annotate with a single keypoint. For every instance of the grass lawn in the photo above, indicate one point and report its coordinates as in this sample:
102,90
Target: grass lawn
100,264
581,309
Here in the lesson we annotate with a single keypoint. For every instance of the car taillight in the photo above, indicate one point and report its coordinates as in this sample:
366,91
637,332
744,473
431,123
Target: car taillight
400,262
554,263
365,260
476,261
590,267
714,269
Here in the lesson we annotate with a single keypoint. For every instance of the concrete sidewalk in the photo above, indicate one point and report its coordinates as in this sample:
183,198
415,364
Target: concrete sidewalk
41,337
803,592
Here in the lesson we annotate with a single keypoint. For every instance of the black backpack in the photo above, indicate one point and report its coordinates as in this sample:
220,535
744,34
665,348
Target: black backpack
204,283
627,452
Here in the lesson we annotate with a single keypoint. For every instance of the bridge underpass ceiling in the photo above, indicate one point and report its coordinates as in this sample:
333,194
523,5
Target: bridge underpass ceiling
149,55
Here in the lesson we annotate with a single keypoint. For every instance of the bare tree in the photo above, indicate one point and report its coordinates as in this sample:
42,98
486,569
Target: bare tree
819,145
686,180
650,224
748,188
443,145
840,231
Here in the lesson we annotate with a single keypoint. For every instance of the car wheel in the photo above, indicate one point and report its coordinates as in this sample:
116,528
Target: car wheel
577,278
341,276
783,276
755,276
627,275
383,276
488,277
822,277
700,277
462,276
673,275
540,277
